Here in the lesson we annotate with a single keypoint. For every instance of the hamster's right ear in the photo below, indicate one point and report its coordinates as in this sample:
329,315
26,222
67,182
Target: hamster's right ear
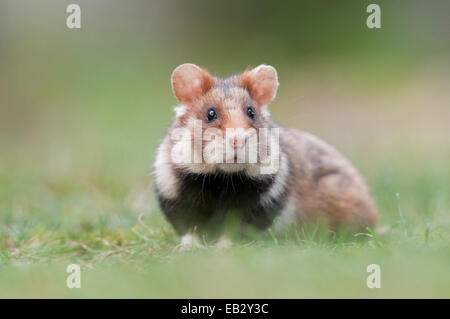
261,82
189,82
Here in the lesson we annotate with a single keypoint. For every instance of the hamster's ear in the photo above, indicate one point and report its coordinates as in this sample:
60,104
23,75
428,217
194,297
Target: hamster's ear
261,82
189,82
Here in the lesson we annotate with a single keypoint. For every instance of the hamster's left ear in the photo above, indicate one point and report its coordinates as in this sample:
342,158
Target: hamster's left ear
190,82
261,82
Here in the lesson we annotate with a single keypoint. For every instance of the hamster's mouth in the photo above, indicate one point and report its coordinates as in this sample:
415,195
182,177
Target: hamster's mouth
232,167
237,158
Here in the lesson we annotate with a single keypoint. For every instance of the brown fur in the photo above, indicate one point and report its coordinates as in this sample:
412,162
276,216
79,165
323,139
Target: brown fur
325,184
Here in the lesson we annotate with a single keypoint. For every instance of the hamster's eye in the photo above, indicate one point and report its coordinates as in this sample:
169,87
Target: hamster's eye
211,115
250,112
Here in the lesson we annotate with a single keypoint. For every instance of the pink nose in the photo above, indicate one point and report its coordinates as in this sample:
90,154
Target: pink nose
237,141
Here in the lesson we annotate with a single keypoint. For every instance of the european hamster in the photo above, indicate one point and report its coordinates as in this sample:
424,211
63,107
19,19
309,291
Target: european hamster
223,153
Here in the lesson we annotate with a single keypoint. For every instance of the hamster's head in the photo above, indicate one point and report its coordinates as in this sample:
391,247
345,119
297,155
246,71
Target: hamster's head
222,124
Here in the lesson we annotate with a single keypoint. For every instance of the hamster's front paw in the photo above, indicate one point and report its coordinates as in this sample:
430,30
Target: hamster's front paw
189,241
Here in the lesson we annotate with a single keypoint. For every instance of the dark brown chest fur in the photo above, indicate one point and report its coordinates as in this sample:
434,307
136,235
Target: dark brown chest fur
205,199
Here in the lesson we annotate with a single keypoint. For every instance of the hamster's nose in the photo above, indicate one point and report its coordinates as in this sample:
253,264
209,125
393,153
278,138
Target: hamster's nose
237,141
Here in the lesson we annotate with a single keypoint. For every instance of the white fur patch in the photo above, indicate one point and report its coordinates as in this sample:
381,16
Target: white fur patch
180,110
165,179
279,183
287,217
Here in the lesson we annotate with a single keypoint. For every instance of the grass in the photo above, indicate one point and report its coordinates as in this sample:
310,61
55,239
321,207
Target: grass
115,232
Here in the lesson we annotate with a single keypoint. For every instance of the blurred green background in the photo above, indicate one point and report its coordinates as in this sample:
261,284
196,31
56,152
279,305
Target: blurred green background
82,111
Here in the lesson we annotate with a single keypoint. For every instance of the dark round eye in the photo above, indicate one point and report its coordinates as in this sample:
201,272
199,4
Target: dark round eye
211,115
250,113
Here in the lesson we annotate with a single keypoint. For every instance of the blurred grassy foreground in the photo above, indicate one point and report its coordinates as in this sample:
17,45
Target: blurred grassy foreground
82,112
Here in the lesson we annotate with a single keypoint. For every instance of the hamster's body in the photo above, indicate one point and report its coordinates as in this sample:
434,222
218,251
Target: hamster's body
311,181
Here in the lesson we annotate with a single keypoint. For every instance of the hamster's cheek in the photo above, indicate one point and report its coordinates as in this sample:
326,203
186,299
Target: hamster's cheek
213,153
181,152
213,148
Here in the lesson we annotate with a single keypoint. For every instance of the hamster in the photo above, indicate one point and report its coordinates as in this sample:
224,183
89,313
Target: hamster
223,153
